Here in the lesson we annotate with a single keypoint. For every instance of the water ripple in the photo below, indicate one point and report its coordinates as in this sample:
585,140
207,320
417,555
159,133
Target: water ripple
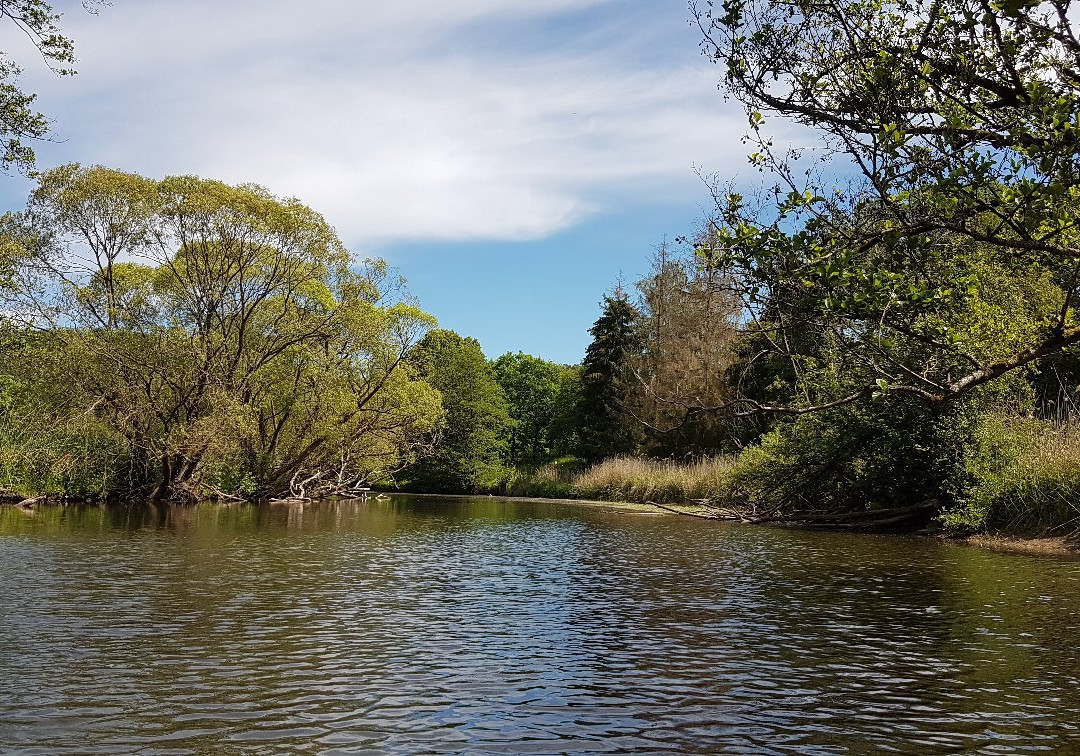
485,626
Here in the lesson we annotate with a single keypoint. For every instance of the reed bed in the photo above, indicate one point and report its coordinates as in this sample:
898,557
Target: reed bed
1040,491
637,479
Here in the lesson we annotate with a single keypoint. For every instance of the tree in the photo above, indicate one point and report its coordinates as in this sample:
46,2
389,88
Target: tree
223,332
38,21
604,426
563,431
689,328
472,441
533,389
943,250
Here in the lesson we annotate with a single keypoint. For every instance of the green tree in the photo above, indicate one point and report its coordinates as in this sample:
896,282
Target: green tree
469,450
563,433
38,21
604,426
51,441
533,388
961,122
224,333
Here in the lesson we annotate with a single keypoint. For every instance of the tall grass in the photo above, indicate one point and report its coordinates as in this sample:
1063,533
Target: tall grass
1026,478
631,479
664,481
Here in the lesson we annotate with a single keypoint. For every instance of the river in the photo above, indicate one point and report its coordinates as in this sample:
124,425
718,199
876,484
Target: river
479,625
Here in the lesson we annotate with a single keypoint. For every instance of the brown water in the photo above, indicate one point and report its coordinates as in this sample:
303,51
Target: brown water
478,625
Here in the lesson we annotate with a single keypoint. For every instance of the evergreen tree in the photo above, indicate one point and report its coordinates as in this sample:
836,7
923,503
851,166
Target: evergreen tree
603,425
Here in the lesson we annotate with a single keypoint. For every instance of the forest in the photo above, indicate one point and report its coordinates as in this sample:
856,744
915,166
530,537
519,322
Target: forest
881,332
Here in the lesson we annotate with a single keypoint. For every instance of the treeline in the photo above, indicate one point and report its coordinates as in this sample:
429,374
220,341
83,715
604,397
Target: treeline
906,341
507,418
685,399
179,339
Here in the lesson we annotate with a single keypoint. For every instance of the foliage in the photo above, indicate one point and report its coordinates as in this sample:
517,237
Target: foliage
960,121
893,453
604,426
50,441
563,430
1026,478
468,452
554,480
219,329
37,20
540,396
688,325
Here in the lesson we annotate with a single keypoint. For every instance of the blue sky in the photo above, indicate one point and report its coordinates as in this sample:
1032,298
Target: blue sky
510,159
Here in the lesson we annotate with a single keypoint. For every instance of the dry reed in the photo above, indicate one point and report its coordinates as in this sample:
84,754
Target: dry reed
637,479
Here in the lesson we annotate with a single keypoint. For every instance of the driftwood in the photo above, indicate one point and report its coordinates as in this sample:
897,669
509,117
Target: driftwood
684,512
845,519
864,519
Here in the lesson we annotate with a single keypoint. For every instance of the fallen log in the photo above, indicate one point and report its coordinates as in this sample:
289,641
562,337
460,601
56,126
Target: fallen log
868,518
879,516
31,502
684,512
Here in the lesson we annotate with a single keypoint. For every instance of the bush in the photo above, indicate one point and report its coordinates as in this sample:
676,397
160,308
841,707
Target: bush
551,481
885,454
43,452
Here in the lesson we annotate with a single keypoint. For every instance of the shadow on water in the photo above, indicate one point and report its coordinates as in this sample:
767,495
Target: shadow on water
479,624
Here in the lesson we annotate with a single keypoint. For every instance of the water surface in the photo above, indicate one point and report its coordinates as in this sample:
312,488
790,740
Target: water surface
482,625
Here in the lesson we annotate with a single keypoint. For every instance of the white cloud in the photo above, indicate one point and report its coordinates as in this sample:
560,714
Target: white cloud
466,119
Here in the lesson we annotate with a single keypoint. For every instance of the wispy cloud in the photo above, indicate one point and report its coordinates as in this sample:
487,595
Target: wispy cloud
418,120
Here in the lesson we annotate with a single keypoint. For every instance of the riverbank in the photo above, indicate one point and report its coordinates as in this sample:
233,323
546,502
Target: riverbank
1058,546
1049,546
1028,489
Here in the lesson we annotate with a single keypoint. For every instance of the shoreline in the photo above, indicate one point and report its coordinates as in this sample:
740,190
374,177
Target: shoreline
1056,546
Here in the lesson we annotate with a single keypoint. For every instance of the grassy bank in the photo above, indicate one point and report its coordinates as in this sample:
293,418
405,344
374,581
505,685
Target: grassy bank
1026,480
629,479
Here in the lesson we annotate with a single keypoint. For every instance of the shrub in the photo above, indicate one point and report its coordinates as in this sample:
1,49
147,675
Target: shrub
889,453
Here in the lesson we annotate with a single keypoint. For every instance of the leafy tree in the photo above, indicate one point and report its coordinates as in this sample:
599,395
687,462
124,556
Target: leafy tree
563,432
604,426
219,328
37,20
469,450
533,389
955,128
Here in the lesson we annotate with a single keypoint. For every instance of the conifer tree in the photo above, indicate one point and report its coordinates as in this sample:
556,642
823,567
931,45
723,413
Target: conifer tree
603,423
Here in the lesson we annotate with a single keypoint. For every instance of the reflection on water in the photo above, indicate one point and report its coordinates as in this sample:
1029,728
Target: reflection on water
450,625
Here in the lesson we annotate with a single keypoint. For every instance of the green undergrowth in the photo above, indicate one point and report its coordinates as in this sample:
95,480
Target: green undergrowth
990,473
1025,479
